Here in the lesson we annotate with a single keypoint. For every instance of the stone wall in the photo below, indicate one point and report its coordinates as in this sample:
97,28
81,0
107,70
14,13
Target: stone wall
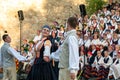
36,14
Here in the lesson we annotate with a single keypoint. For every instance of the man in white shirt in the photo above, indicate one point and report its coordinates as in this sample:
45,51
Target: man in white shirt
8,55
68,53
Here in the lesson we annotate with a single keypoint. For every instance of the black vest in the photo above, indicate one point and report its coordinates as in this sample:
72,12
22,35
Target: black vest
115,42
106,60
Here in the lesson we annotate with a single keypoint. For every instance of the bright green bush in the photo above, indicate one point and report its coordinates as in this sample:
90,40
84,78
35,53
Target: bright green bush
94,5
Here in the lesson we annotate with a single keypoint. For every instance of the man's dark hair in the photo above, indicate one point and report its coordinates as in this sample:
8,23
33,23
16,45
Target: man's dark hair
72,21
4,37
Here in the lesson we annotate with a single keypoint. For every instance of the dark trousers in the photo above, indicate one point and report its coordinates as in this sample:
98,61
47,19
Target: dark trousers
56,69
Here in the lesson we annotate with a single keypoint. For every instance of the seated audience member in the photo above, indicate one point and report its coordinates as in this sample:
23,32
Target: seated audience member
115,68
37,37
88,66
98,60
104,67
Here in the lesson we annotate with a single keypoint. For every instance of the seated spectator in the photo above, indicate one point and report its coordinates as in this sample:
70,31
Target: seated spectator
110,51
115,68
106,12
87,41
117,16
37,37
96,65
115,40
104,40
25,45
82,59
93,49
114,25
95,40
80,40
104,67
88,66
102,49
118,30
115,51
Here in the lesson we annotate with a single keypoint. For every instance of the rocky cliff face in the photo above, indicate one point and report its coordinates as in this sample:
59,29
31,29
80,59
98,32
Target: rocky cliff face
36,14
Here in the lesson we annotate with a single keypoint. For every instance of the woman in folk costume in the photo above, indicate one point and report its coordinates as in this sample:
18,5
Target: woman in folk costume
93,49
41,68
115,39
55,44
110,50
115,68
98,60
82,59
115,51
95,40
80,40
104,67
87,41
88,66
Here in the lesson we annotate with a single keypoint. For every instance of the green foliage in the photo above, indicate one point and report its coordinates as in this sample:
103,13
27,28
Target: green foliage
94,5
